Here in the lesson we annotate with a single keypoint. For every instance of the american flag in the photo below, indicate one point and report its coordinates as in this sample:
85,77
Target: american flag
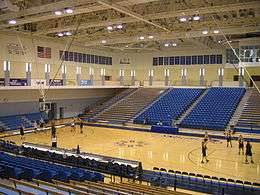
43,52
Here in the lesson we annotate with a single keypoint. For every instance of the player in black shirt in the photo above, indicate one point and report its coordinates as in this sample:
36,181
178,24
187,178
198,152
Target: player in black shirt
81,126
22,132
249,151
204,151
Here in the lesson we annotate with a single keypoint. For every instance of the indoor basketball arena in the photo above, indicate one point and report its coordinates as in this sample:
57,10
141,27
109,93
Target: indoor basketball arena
123,97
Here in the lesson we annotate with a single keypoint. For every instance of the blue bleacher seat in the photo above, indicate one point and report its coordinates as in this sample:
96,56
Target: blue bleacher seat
27,168
15,121
169,107
215,109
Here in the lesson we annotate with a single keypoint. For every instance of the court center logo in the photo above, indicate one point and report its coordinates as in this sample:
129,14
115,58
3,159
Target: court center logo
131,143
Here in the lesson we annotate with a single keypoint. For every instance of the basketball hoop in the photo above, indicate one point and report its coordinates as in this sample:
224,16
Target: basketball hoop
44,106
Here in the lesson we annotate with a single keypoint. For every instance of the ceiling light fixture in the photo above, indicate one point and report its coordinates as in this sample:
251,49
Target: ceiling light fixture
109,28
68,33
13,21
204,32
150,36
183,19
196,18
57,13
119,26
103,41
174,44
68,10
60,34
141,38
166,44
216,31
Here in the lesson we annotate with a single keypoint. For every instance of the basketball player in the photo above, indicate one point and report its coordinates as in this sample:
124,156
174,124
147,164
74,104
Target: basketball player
53,129
35,126
249,152
81,126
22,132
41,123
73,127
228,136
204,151
240,144
206,136
78,150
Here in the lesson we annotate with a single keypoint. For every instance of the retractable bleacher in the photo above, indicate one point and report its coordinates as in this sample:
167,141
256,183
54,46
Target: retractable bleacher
169,107
15,121
215,109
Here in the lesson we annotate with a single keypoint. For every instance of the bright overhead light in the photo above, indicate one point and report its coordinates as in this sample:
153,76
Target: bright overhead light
68,33
141,38
174,44
126,46
119,26
183,19
68,10
150,36
109,28
196,18
216,31
13,21
205,32
57,13
166,44
60,34
103,41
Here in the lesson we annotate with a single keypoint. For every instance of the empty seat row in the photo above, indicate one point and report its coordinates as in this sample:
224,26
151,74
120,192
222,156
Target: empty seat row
215,109
169,106
19,167
14,122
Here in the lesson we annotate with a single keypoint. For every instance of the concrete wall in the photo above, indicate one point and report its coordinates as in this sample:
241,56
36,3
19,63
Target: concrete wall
23,101
141,61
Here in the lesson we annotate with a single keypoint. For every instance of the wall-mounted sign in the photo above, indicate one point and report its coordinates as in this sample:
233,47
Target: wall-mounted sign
38,82
13,48
56,82
85,82
124,61
18,82
2,82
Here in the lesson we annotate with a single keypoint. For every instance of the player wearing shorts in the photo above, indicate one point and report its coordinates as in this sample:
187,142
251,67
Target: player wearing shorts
240,144
249,152
228,137
204,151
22,132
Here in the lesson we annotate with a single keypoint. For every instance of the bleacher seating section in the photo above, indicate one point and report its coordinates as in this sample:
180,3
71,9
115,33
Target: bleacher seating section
109,167
250,116
169,107
215,109
104,105
13,186
129,106
19,167
14,122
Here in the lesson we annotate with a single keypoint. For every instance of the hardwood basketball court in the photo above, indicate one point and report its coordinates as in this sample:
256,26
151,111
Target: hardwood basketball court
156,150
